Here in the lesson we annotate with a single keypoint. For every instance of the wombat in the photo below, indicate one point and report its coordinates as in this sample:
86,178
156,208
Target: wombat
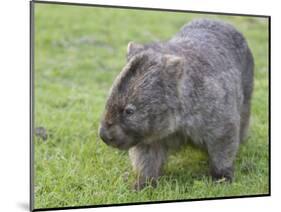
194,88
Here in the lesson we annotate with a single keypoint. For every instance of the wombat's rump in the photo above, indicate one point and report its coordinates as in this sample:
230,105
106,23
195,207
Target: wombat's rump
195,87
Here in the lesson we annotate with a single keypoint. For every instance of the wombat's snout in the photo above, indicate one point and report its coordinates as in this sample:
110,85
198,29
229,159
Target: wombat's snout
113,136
104,134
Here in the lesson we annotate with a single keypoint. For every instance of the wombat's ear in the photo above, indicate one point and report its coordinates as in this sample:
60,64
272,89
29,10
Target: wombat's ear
133,48
173,63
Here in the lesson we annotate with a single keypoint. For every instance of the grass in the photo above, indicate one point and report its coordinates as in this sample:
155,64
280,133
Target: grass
78,53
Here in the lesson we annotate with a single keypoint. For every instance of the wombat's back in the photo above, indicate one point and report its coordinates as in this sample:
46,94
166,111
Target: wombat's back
226,50
221,37
218,33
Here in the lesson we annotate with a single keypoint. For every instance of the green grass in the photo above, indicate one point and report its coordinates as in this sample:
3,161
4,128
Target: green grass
78,53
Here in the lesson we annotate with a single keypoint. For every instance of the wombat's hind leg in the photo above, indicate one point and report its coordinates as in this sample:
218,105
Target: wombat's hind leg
222,154
147,161
247,85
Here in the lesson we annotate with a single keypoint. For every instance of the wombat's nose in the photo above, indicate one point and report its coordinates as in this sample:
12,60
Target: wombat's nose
104,135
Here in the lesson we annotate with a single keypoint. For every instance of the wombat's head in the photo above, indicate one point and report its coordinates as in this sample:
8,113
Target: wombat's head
138,107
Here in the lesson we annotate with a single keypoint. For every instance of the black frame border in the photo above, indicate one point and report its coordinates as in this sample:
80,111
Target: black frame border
31,104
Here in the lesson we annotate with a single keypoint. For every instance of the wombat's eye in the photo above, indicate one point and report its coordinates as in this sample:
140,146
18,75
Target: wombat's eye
129,110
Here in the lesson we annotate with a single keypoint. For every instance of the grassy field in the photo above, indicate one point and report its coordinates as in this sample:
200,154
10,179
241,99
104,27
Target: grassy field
78,53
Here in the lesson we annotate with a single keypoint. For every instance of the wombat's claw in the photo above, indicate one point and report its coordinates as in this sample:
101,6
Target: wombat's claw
221,176
221,180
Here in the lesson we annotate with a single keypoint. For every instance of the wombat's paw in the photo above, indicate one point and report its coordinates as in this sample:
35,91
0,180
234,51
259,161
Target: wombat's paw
137,186
141,184
223,175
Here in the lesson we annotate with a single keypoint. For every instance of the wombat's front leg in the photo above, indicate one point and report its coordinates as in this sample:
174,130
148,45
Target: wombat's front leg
147,161
222,152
